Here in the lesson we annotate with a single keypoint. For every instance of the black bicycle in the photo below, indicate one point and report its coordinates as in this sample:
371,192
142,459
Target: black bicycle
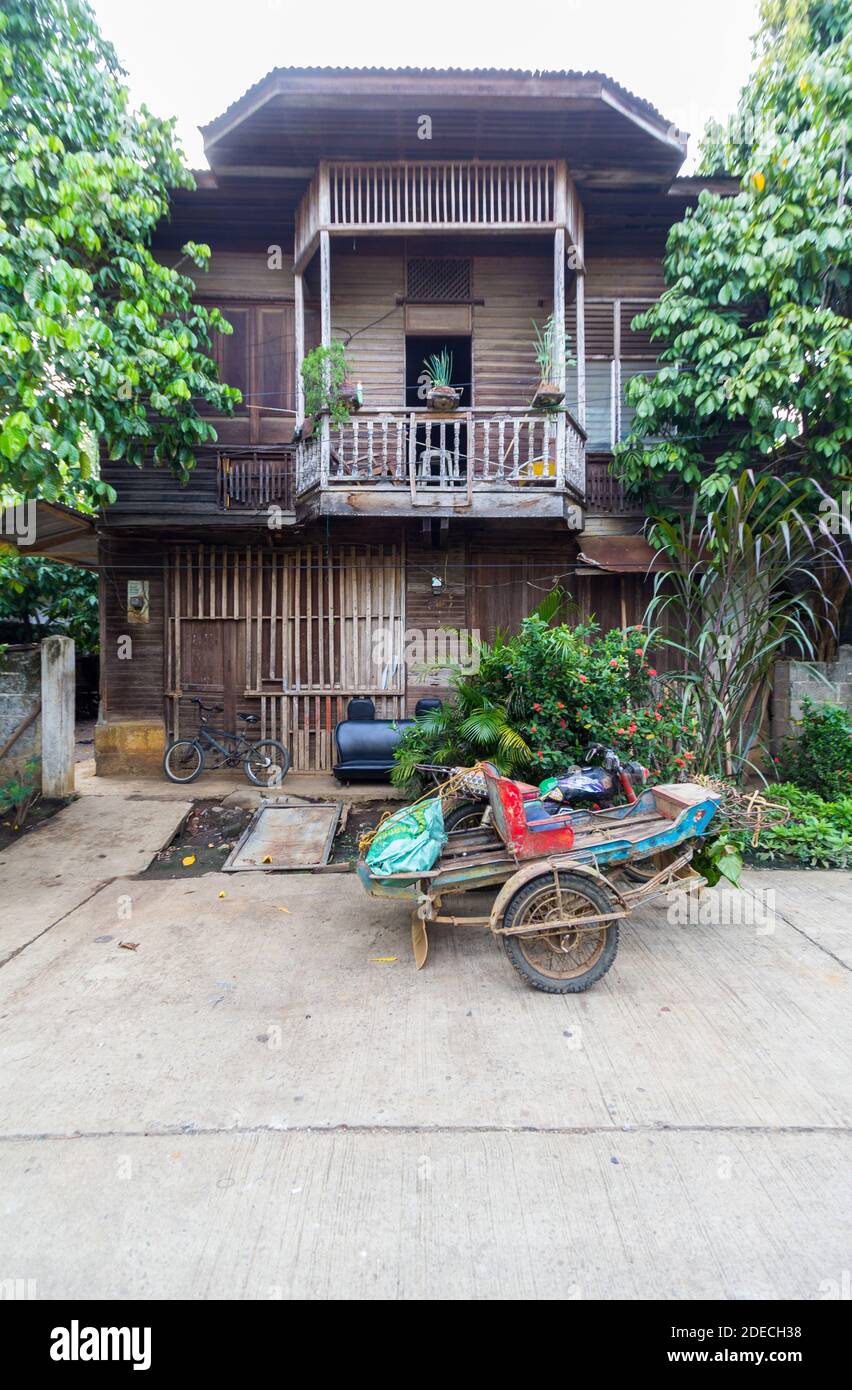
265,763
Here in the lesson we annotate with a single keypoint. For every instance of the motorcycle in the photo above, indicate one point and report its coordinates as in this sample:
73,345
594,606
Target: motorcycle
592,786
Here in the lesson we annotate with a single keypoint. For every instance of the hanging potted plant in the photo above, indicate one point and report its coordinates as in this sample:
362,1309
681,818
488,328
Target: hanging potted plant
548,394
328,388
441,395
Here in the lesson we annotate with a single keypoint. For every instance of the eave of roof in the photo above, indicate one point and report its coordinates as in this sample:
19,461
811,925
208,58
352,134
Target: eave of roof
247,101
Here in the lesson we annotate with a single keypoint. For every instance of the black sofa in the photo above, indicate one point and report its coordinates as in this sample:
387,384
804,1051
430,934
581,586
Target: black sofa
365,744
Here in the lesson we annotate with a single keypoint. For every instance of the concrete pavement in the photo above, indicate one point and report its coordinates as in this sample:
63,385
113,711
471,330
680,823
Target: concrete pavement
263,1099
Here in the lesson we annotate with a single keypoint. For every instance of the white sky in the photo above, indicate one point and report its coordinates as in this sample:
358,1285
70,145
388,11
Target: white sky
192,58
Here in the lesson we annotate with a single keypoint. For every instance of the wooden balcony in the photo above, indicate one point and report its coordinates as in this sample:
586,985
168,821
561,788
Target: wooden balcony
474,462
408,198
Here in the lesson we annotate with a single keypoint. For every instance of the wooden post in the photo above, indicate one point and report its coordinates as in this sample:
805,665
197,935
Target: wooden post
325,329
299,335
559,342
57,716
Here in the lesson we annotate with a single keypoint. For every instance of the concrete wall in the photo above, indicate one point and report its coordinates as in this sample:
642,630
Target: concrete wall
20,692
794,680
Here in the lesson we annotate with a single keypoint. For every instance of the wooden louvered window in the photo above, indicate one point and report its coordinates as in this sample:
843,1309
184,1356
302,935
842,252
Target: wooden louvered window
259,358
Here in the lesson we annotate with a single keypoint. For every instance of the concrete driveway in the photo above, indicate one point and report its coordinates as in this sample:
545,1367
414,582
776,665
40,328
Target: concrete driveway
265,1100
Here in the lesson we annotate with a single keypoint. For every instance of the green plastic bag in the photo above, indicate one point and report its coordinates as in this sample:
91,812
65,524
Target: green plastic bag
409,841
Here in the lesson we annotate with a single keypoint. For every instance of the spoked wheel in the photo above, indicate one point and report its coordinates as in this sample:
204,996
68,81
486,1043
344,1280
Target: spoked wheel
184,760
647,869
563,961
268,763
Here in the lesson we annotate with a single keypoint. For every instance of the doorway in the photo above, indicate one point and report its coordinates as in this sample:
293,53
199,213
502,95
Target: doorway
441,442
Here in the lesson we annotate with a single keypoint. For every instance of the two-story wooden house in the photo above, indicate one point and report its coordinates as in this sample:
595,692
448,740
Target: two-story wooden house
401,212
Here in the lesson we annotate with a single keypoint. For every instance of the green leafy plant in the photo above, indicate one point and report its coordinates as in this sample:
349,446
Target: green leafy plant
547,350
819,757
439,367
101,345
719,857
18,795
324,370
817,835
43,597
542,695
743,582
754,330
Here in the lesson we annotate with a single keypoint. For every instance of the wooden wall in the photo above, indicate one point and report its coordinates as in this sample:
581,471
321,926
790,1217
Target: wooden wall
364,286
131,688
515,292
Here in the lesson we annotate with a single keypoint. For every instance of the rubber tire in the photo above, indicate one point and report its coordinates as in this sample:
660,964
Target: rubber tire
285,760
461,811
183,781
511,945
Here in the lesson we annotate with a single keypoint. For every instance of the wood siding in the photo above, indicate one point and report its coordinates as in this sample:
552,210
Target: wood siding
515,292
364,286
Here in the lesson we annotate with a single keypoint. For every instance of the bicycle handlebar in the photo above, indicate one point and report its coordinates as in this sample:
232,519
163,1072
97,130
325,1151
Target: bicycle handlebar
208,709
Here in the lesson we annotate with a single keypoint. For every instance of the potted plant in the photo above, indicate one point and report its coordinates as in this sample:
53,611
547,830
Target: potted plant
441,395
548,394
328,388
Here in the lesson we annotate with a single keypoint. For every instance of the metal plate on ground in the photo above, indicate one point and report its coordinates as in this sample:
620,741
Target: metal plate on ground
281,836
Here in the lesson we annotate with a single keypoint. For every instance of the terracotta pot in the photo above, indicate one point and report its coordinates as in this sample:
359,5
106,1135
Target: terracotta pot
547,393
442,398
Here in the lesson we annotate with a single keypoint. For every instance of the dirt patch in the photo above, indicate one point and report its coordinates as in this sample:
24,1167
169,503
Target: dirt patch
201,843
210,830
11,829
363,815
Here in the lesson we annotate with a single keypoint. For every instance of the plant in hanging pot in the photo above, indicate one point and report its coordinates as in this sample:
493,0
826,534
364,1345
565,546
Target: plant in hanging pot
548,394
328,388
441,394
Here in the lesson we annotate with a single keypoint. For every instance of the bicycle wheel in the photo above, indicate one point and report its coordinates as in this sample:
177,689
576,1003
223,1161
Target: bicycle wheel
184,760
267,764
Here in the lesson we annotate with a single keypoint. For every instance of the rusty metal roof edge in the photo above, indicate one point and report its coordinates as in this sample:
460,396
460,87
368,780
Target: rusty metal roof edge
644,107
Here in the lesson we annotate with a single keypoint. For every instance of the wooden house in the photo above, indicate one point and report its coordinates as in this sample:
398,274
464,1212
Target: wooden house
400,212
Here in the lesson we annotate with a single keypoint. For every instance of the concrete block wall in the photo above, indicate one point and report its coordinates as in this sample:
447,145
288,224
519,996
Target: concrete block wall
20,692
821,681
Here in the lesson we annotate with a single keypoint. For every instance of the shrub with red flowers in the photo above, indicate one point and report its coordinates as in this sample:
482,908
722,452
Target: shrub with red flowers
542,696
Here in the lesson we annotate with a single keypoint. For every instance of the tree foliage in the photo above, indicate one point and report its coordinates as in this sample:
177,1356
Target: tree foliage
99,343
745,585
753,331
43,597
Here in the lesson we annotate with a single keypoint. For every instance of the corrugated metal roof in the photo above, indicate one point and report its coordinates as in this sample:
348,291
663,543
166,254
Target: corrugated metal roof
538,73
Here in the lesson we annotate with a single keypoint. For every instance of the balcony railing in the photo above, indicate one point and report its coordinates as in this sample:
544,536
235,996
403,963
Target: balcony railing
436,195
453,455
253,480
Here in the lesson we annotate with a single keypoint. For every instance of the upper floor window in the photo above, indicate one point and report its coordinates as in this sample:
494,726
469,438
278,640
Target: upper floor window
615,353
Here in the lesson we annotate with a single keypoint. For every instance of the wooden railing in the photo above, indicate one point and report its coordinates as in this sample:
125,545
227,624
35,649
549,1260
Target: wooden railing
431,195
253,480
470,449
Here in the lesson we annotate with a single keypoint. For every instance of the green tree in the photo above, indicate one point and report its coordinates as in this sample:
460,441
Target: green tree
100,345
753,329
43,597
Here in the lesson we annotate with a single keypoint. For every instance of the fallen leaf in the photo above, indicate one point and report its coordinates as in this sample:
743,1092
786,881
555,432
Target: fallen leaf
222,894
267,859
284,909
187,860
128,945
382,959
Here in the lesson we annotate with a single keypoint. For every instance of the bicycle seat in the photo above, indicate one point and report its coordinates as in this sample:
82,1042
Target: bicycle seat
250,718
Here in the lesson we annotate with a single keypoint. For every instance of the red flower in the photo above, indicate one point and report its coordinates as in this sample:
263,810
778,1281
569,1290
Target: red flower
651,671
658,716
536,707
533,728
583,679
559,704
680,762
614,662
562,723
